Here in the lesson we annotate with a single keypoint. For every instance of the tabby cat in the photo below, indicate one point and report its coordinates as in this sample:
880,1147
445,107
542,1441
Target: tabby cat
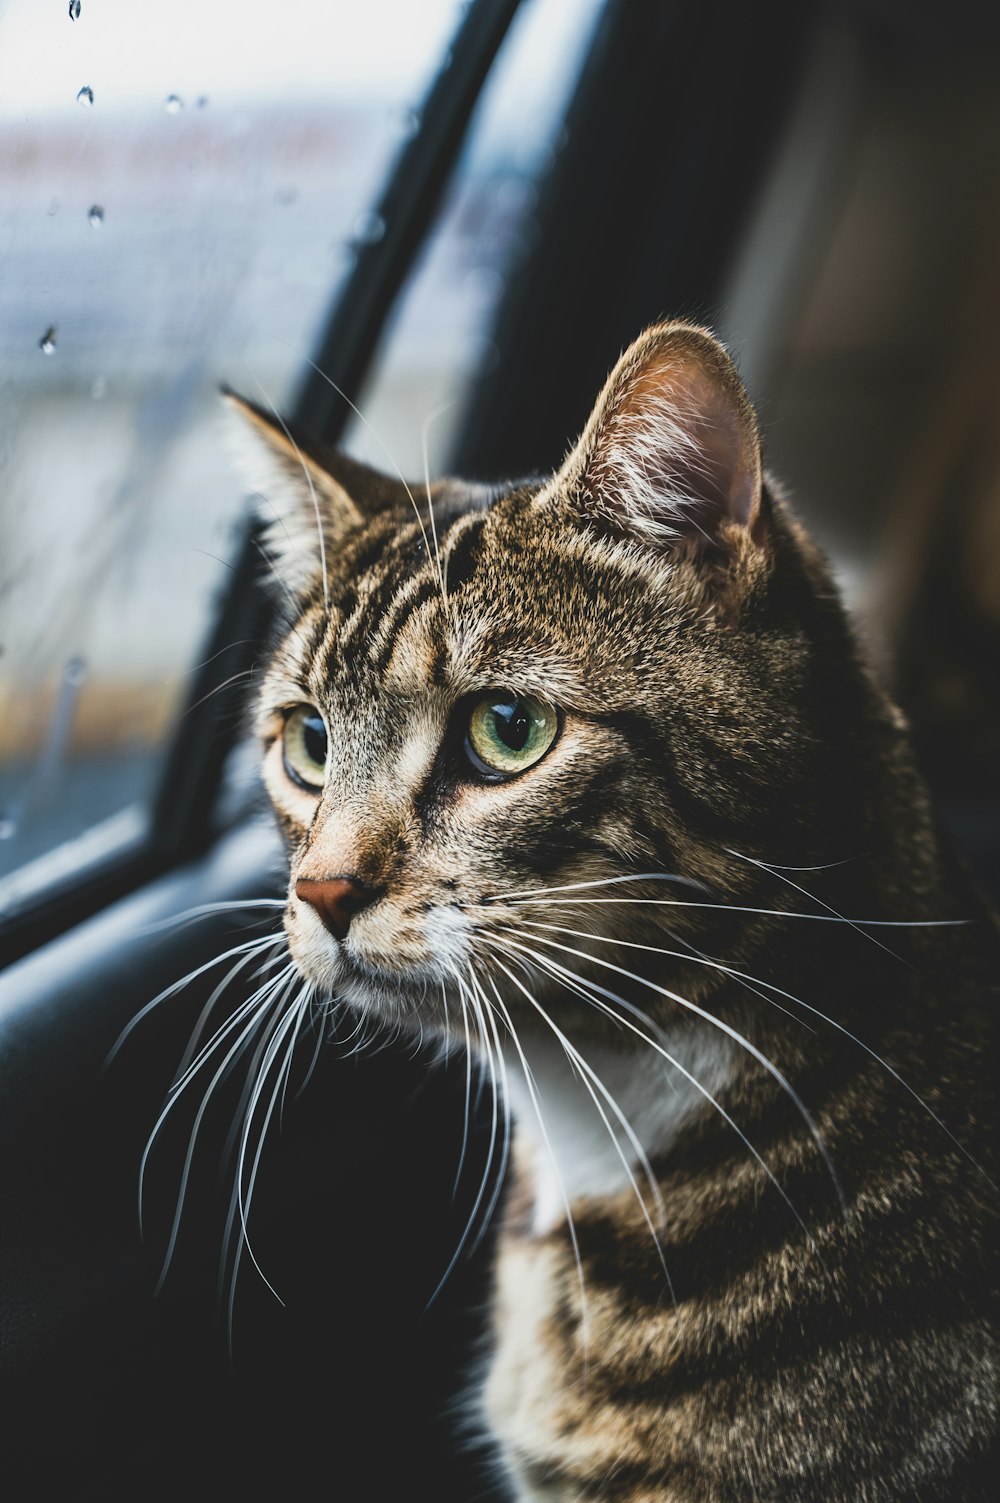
589,770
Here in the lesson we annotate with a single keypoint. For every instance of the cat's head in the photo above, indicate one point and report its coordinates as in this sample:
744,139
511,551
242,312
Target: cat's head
486,703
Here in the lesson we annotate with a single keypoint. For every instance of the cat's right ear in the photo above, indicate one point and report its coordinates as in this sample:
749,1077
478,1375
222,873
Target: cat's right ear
671,455
305,510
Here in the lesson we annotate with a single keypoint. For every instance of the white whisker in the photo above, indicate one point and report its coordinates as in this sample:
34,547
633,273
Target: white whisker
234,678
206,910
468,1094
479,1016
210,1005
723,1027
314,1060
587,1074
234,1137
285,1025
780,874
529,1080
303,1008
424,431
229,1059
294,609
822,866
190,1066
598,991
690,955
504,1097
362,419
527,892
769,986
309,481
255,1007
176,986
781,913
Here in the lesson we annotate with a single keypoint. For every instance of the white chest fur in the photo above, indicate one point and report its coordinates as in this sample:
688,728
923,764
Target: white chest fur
587,1143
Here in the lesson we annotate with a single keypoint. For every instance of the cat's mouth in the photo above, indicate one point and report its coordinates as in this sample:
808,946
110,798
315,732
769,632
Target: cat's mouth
391,982
387,968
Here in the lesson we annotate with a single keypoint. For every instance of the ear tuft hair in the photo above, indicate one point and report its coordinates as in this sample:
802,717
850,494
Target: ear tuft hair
671,453
304,509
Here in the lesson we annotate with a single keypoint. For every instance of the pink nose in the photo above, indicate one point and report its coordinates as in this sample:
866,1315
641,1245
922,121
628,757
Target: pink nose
335,899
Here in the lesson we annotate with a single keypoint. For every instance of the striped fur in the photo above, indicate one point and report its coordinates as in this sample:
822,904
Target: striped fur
765,1270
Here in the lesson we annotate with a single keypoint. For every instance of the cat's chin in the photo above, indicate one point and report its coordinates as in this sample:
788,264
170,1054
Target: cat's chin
394,996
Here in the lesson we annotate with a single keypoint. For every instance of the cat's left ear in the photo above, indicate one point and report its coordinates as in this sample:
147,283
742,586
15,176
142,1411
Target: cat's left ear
305,509
671,454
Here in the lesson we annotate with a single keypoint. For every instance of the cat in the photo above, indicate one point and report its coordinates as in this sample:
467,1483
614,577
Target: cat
590,768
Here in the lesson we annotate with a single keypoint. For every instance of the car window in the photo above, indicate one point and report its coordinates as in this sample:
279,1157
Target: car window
414,402
172,215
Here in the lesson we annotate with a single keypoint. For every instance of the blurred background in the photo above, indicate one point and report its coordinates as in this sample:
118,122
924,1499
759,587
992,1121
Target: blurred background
185,191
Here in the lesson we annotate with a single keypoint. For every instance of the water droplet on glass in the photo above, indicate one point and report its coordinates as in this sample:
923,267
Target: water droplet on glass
7,828
53,207
96,216
368,229
407,123
74,10
47,343
173,104
98,389
201,103
85,96
285,196
75,672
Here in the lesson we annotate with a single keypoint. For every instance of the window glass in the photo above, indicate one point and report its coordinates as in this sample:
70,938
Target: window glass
440,336
180,188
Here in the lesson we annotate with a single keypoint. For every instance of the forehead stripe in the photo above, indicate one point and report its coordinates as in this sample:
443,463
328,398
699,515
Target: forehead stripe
403,607
371,546
460,558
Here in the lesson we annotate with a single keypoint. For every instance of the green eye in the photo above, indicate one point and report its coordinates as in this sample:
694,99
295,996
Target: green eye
508,734
305,747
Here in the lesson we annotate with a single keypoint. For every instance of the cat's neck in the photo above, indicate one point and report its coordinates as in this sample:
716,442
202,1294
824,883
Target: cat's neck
571,1126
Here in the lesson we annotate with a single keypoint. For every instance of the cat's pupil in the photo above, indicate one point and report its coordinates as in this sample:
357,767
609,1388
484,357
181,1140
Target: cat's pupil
512,725
314,738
